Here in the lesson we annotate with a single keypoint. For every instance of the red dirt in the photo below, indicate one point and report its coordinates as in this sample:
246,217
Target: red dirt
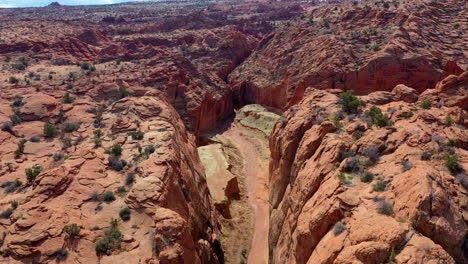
255,170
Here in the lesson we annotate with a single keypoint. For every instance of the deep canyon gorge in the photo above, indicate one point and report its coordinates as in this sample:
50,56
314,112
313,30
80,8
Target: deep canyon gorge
318,132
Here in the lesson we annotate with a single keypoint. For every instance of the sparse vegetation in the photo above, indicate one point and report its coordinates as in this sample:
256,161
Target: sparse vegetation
125,214
112,238
122,92
108,197
70,127
18,101
379,186
116,164
367,176
452,164
137,135
349,103
339,228
385,207
13,80
426,104
448,121
50,130
425,155
130,178
61,254
20,148
31,173
72,230
116,150
67,98
407,165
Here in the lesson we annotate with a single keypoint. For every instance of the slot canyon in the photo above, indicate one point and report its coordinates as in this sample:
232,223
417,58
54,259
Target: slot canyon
256,132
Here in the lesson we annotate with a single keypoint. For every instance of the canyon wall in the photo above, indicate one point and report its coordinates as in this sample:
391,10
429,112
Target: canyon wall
343,191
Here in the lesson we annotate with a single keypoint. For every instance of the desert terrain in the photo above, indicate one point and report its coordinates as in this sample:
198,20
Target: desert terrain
319,132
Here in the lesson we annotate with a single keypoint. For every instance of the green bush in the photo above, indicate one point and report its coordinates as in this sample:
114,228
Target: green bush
125,214
338,229
137,135
451,142
68,99
451,162
13,80
50,130
108,197
349,103
425,155
426,104
97,142
378,118
367,176
385,207
112,238
15,119
379,186
61,254
20,148
116,150
73,230
122,92
31,173
448,120
70,127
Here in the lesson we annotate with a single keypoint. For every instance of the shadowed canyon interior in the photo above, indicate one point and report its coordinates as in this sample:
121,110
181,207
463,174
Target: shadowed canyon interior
193,132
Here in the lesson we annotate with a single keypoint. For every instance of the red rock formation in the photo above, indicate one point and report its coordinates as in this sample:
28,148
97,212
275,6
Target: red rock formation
321,212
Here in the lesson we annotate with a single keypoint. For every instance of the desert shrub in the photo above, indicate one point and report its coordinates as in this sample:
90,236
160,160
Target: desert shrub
97,142
125,214
122,92
13,80
374,46
386,5
337,122
367,176
452,164
407,165
371,152
58,156
451,142
7,213
379,186
50,130
73,230
121,189
85,66
339,228
116,150
378,118
34,139
15,119
108,197
7,127
137,135
11,186
98,133
31,173
20,148
67,98
18,101
116,164
448,120
425,155
150,150
385,207
14,204
357,135
70,127
130,178
185,51
426,104
111,239
352,165
61,254
409,114
392,256
349,103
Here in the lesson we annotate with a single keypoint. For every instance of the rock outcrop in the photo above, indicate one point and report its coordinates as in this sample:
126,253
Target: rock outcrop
370,194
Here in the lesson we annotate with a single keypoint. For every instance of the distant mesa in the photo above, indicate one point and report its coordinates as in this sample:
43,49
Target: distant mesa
54,4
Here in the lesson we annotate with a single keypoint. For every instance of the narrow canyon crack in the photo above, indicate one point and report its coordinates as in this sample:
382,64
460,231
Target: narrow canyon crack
240,149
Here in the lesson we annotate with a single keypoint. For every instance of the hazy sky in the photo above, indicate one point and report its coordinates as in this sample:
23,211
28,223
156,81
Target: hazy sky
29,3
